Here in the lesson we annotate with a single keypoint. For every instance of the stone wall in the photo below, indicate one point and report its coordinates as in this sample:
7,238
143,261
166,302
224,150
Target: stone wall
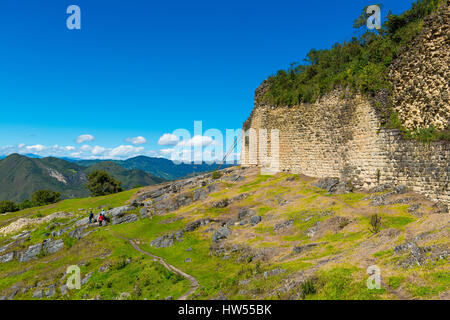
420,76
341,135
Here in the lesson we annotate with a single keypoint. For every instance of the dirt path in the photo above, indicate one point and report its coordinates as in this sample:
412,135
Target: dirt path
192,280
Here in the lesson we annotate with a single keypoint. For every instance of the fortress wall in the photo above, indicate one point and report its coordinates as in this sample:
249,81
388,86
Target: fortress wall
341,136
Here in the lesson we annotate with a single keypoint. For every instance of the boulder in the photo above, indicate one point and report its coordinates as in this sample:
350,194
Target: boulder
306,247
221,233
126,219
31,252
50,291
38,294
192,226
7,257
244,212
118,212
255,220
53,246
165,241
200,194
77,233
221,203
328,184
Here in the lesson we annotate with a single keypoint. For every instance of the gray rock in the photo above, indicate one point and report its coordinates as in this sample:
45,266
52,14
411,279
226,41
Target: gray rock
77,233
200,194
244,212
255,220
86,278
126,219
187,260
283,225
21,235
221,233
119,212
164,241
328,184
143,212
192,226
273,272
53,246
7,257
306,247
221,203
3,249
31,252
50,292
38,294
400,189
64,290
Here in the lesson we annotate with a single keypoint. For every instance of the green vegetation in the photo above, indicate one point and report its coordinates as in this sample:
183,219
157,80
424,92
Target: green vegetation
375,223
101,183
360,64
44,197
216,175
8,206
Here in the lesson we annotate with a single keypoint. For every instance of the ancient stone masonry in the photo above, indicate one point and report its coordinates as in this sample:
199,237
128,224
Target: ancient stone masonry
341,135
421,75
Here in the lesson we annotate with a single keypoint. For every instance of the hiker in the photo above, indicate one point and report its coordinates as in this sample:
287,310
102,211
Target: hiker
100,219
91,216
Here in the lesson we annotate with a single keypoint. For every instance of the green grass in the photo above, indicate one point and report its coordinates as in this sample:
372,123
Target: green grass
344,283
395,281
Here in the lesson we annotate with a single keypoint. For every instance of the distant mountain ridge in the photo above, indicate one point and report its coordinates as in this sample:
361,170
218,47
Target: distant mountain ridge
21,176
159,167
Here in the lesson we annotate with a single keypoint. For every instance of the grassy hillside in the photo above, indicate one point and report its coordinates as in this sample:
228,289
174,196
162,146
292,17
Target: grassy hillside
309,244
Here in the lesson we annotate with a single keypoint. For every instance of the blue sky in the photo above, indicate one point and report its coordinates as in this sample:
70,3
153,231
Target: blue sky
145,68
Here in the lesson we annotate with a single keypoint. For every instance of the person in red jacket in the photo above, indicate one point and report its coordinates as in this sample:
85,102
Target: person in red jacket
100,220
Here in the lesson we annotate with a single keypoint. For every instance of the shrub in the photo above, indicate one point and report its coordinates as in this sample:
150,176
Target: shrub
375,223
101,184
216,175
8,206
26,204
44,197
307,287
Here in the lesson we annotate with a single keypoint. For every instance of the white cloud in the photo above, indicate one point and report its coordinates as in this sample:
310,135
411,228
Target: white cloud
167,151
124,151
86,148
98,150
197,141
168,139
35,148
69,148
136,140
84,138
21,145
